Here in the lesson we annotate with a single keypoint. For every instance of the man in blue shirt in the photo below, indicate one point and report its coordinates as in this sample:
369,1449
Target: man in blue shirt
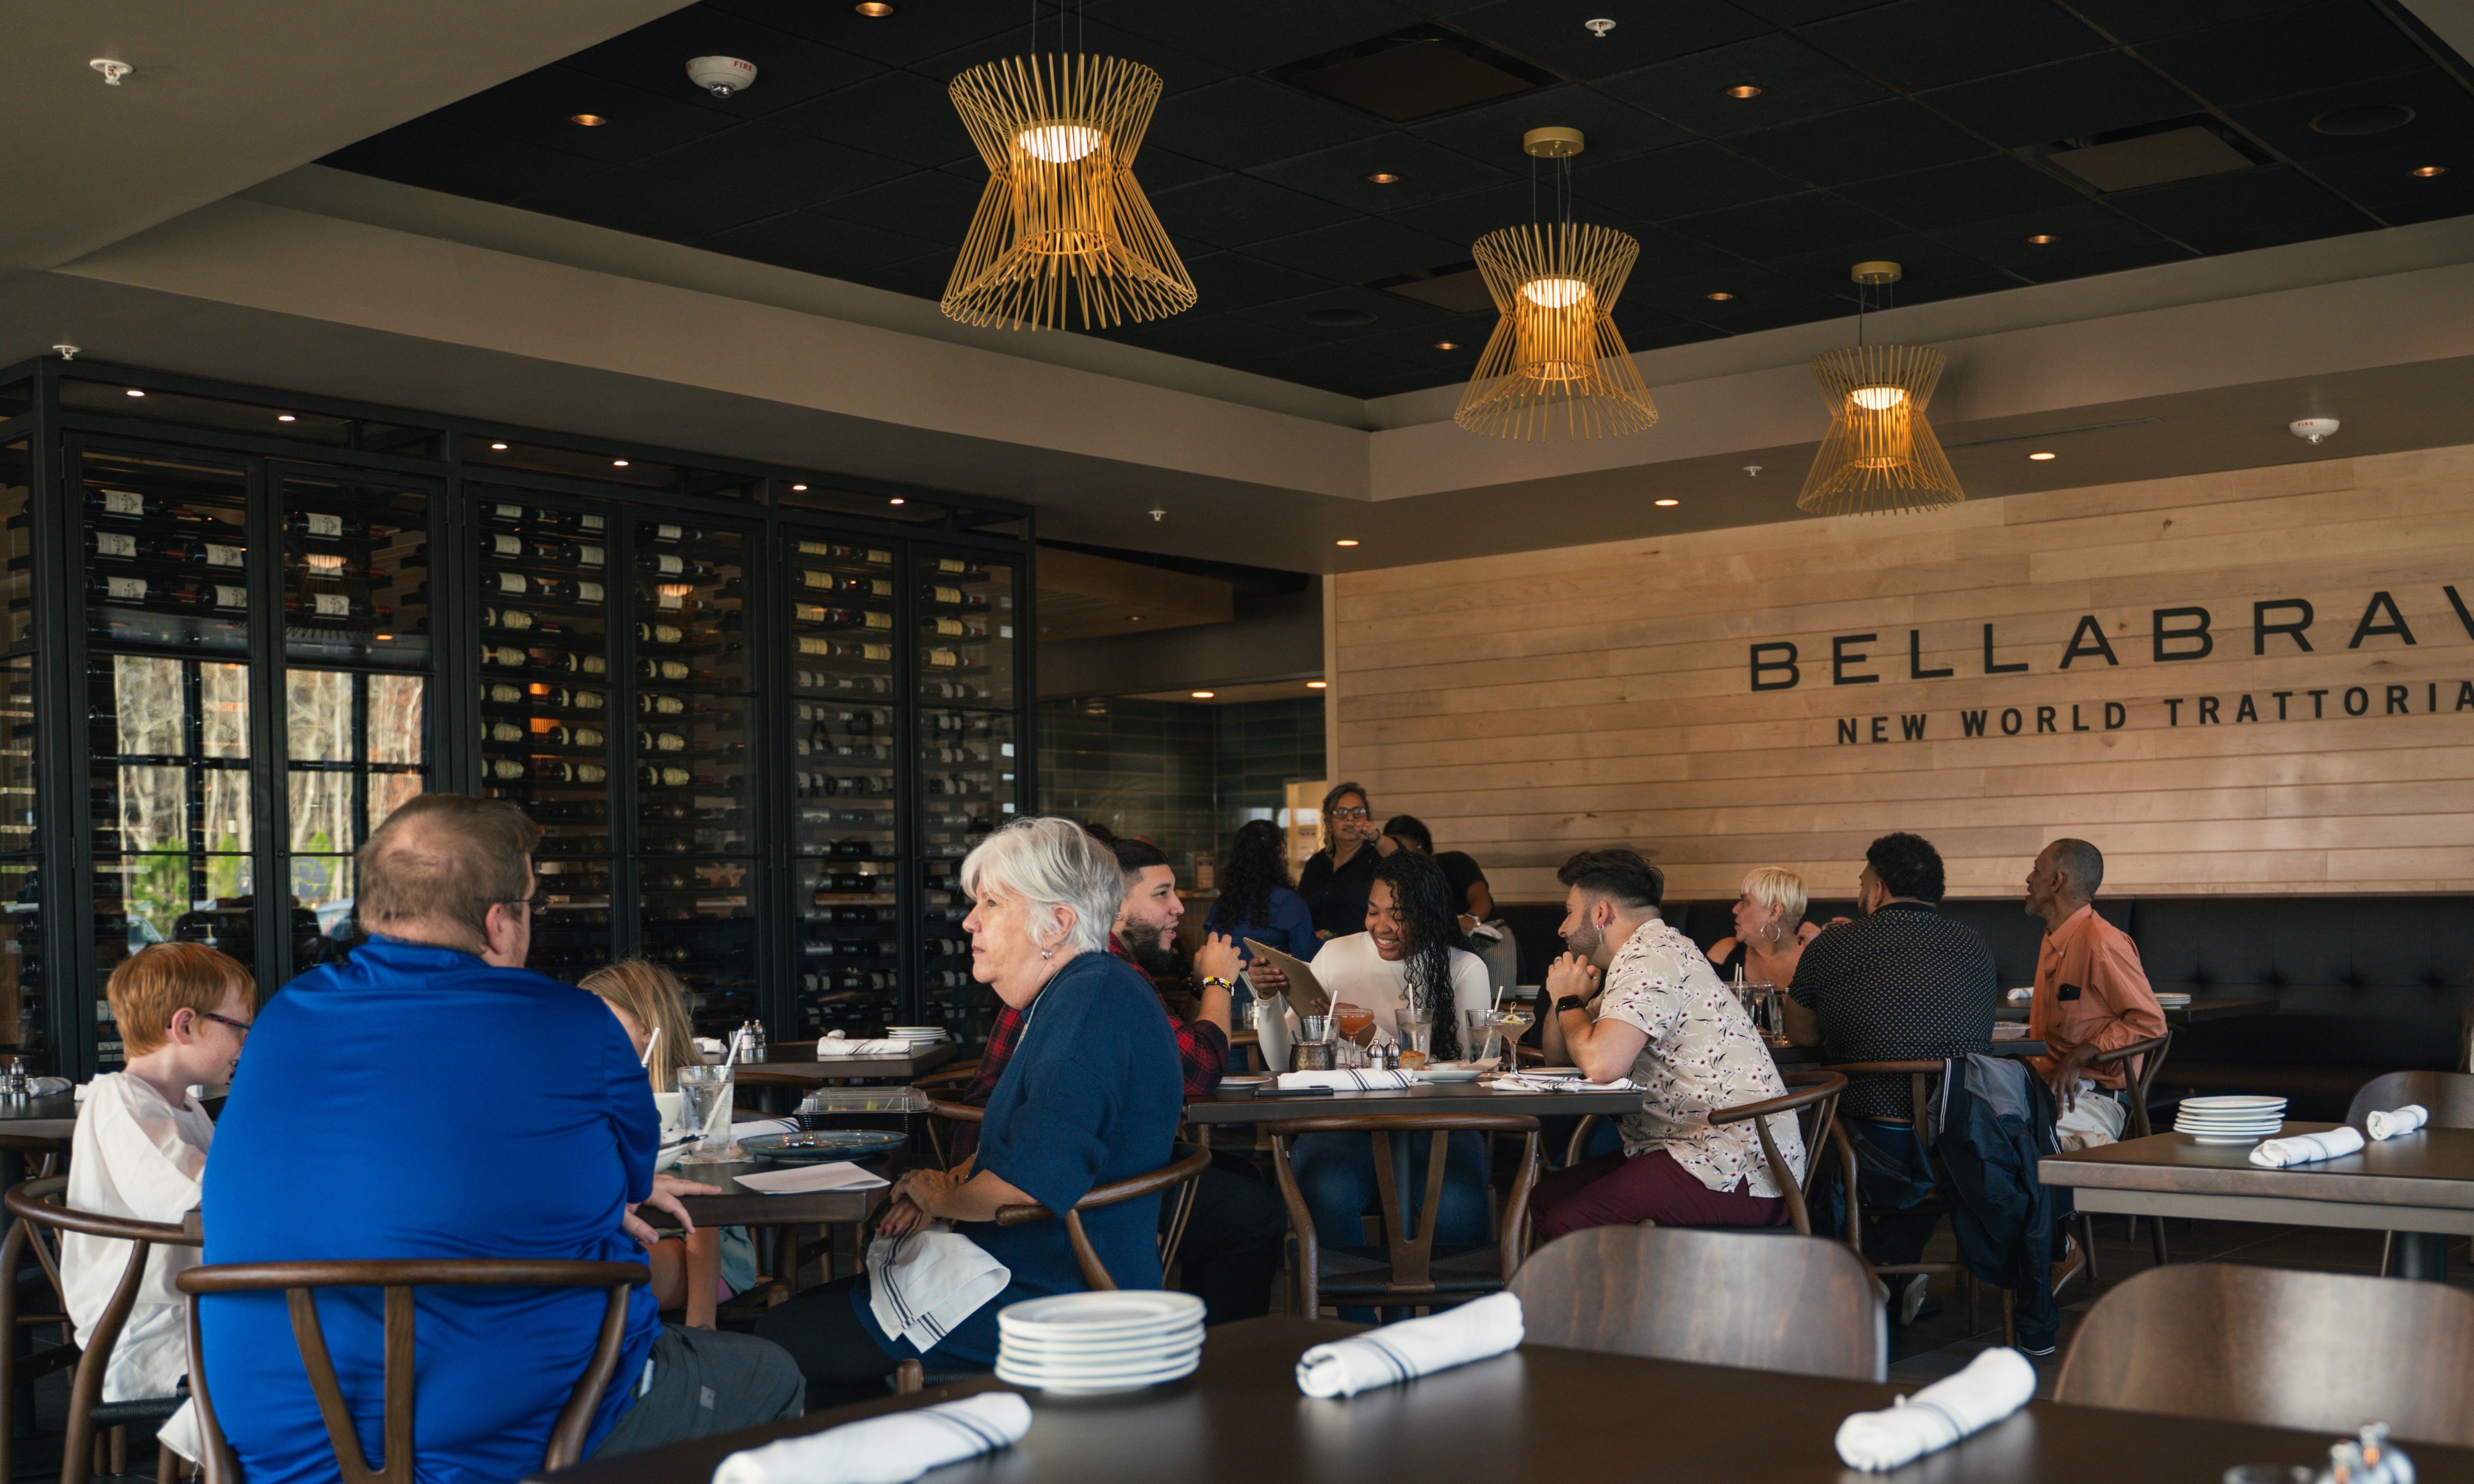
433,1098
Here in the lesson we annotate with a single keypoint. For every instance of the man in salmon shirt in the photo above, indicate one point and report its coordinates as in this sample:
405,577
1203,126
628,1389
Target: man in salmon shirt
2092,996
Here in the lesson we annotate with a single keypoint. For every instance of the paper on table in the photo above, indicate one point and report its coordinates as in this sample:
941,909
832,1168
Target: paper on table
1413,1348
831,1047
841,1175
1304,995
2308,1148
888,1450
2402,1120
1995,1384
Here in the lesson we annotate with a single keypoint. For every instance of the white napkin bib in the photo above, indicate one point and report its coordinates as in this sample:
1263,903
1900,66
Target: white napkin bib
1994,1385
888,1449
2402,1120
2308,1148
1413,1348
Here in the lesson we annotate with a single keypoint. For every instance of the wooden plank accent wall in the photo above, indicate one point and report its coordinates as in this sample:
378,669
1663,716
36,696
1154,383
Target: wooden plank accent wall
1530,705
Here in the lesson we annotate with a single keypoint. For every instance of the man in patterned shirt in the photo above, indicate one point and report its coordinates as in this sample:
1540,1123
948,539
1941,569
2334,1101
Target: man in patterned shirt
1666,1021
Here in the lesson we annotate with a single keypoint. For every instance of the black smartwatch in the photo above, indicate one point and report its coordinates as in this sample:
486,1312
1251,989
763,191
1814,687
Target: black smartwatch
1570,1002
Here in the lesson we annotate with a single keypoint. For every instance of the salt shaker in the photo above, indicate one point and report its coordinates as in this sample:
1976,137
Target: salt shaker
12,1079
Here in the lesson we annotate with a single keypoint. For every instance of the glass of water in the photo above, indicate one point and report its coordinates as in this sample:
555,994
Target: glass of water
1479,1034
706,1095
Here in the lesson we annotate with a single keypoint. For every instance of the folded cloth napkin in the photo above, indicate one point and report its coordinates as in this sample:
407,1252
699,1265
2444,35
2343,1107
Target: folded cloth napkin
46,1087
2402,1120
1522,1082
924,1283
1412,1347
1370,1080
839,1175
1995,1383
836,1045
888,1449
2307,1148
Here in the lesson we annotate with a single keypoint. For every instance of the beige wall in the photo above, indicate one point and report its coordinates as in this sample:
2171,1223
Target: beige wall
1527,706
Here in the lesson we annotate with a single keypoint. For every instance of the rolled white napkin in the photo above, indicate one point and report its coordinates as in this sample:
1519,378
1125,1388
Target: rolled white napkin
46,1087
888,1449
832,1046
1412,1347
2396,1121
2308,1148
839,1175
1370,1080
923,1285
1992,1385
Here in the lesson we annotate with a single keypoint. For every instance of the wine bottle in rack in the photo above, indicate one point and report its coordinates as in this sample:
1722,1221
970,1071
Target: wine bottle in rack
685,568
660,534
128,505
653,669
841,617
649,703
660,633
332,526
573,698
500,693
954,597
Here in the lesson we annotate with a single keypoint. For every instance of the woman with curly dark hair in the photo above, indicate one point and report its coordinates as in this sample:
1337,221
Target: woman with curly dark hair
1406,958
1255,898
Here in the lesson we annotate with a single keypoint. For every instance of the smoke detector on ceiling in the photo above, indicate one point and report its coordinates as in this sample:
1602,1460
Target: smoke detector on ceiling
2313,430
721,75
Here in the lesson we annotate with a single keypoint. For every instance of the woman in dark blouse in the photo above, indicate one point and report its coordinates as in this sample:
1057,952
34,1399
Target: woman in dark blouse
1255,898
1338,879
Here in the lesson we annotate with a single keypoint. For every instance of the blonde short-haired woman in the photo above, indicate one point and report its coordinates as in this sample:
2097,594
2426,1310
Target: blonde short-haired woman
1770,929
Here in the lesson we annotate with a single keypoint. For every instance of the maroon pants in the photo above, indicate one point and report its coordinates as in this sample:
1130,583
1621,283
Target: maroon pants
1615,1189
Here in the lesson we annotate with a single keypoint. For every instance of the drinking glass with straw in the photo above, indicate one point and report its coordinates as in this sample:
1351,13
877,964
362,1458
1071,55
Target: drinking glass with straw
708,1091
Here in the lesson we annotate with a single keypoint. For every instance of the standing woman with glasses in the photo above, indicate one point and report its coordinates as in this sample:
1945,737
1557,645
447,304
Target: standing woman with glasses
1339,877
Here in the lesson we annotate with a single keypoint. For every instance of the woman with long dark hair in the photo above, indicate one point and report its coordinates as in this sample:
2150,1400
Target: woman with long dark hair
1336,878
1406,958
1255,899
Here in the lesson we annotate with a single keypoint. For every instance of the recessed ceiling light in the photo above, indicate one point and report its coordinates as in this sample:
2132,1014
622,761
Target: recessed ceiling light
1202,695
588,120
873,10
1344,541
1316,684
2044,239
1721,295
1133,618
896,500
1448,345
1746,90
499,447
2426,171
2044,458
283,417
1383,177
618,463
798,487
134,392
1666,502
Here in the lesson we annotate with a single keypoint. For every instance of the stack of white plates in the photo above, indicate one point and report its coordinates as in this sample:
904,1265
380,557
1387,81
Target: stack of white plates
1094,1342
2230,1121
2173,1001
922,1035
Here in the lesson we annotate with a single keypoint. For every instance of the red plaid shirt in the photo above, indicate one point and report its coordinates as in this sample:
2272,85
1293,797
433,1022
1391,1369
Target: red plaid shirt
1202,1046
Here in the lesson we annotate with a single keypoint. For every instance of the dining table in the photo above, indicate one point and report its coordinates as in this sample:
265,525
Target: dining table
1238,1105
2418,1186
1536,1415
2198,1011
1797,1059
798,1059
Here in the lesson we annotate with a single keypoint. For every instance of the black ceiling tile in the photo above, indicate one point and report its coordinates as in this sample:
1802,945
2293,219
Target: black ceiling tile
1746,286
1552,35
1687,179
1246,121
1671,254
1201,338
1797,83
1389,311
2079,229
1228,281
898,113
916,30
1862,144
932,204
2063,100
2442,121
538,109
1468,217
2139,20
631,198
1360,252
1158,170
1791,224
1492,134
1260,34
1804,13
1957,286
1996,186
776,166
1916,44
2087,265
2247,208
2319,46
1680,333
1230,211
1924,261
817,244
1427,172
436,155
1772,317
924,277
2383,182
789,68
1416,345
1177,71
1340,369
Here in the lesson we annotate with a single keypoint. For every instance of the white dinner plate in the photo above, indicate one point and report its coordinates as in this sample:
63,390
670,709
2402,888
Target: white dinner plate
1093,1385
1149,1357
1030,1346
1095,1313
1246,1080
1050,1341
1550,1072
1446,1074
2230,1104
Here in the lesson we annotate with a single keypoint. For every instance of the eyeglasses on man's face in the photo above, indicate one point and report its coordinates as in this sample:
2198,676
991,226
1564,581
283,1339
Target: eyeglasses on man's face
533,905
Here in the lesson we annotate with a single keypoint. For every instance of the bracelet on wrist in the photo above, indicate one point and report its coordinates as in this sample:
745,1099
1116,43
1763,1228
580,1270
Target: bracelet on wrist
1215,982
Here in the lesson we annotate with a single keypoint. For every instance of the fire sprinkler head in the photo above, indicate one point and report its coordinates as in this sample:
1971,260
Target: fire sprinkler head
2313,430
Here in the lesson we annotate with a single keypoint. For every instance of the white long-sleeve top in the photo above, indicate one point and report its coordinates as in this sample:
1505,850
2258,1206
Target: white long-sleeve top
134,1156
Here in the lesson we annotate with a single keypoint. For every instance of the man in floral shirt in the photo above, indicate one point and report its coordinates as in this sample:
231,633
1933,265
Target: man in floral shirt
1666,1021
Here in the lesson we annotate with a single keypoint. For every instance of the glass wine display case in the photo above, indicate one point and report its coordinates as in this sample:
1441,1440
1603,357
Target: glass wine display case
759,715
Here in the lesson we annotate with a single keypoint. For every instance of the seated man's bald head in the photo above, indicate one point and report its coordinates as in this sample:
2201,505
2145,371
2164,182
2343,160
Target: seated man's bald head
443,859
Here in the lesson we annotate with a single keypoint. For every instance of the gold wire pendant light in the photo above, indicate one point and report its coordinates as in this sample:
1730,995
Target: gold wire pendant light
1062,222
1556,366
1879,456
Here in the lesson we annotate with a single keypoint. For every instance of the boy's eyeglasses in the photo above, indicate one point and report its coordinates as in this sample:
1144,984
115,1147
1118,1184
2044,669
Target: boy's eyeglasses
241,1027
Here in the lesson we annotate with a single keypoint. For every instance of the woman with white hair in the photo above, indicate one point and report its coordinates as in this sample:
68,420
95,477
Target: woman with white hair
1091,1094
1770,929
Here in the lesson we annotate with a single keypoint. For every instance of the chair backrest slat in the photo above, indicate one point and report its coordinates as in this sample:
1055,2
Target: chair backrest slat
2448,1096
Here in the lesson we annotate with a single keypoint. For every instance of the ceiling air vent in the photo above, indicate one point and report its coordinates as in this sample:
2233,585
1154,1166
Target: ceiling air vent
2155,154
1414,74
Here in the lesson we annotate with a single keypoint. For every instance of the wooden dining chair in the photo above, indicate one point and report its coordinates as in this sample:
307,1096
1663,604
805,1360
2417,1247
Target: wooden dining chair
935,1086
1178,1177
41,1215
1813,1098
2317,1351
300,1282
1409,1272
1919,1076
2146,1058
1715,1297
2447,1096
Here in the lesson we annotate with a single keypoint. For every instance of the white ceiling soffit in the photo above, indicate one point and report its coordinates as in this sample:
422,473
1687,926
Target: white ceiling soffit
224,95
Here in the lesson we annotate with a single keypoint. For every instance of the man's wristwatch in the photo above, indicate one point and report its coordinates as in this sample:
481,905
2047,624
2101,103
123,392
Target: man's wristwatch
1570,1002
